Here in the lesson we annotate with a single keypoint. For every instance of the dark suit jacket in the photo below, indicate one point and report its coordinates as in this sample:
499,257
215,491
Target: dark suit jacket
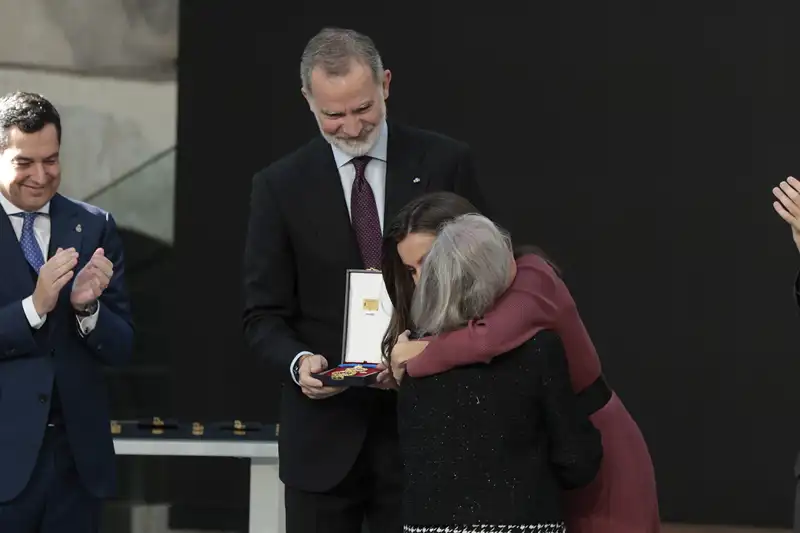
30,360
300,243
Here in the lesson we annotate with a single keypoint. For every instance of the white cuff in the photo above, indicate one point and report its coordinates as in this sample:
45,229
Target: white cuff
291,366
86,324
33,317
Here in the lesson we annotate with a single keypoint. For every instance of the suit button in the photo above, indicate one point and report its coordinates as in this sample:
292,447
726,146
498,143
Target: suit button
12,351
99,347
53,352
43,398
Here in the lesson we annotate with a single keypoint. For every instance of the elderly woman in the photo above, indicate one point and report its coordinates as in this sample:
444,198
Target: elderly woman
488,447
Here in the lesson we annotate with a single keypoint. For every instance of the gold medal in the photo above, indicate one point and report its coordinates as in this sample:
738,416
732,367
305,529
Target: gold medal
338,376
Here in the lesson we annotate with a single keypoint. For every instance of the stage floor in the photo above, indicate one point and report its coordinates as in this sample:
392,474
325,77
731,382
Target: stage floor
684,528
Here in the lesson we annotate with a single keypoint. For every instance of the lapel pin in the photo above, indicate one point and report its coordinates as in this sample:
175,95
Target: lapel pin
416,180
79,228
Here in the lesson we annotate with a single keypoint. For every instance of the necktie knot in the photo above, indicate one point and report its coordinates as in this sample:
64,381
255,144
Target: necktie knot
27,239
27,217
360,163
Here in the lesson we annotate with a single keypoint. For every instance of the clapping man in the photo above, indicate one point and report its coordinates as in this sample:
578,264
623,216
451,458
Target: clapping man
64,314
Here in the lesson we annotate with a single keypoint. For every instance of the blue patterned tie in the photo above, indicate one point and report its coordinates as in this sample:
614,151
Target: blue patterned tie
28,241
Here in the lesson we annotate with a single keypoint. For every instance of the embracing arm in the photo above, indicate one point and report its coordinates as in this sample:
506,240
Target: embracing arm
269,281
109,332
530,304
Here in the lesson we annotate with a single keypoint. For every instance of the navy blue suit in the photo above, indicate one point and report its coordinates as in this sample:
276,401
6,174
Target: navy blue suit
33,361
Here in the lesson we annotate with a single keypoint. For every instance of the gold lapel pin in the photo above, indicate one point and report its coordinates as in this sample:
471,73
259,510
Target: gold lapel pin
416,180
79,228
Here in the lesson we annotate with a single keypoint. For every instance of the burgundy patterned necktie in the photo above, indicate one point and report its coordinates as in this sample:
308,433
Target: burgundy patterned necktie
364,216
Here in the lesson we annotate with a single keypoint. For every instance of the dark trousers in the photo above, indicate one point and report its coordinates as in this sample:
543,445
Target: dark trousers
371,494
55,500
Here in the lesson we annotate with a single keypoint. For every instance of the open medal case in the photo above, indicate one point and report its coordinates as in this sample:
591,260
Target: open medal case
367,312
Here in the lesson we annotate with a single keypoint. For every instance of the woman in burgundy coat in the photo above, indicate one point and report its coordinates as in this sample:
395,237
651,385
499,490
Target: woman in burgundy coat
622,498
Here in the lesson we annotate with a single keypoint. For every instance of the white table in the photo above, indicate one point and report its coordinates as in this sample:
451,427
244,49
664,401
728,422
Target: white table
266,489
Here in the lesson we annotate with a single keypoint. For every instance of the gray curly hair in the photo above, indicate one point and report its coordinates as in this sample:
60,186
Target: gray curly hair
467,269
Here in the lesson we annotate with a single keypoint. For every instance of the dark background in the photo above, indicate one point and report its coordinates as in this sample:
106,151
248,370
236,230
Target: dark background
637,144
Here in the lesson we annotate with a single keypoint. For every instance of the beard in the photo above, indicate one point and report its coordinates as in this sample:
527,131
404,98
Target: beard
356,146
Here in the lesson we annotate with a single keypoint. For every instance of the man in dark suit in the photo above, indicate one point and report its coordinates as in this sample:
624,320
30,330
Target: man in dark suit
64,314
787,205
316,213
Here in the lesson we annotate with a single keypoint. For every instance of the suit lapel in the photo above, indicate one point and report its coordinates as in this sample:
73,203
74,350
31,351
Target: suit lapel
404,182
65,228
328,204
13,258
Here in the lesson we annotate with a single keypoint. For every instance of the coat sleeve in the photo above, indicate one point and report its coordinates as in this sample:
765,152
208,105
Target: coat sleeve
111,340
269,282
16,336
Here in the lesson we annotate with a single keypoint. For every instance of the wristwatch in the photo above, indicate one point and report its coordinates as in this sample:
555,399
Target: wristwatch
88,309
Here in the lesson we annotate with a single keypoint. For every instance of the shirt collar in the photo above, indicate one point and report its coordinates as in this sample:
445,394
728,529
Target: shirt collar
11,209
379,151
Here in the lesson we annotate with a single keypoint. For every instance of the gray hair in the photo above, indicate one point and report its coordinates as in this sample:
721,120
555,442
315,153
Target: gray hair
334,50
467,269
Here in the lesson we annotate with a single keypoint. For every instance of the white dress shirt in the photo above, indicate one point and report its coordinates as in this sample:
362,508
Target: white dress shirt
375,174
41,230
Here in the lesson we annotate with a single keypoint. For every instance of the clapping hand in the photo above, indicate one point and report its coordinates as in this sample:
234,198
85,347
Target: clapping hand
92,280
787,205
54,276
